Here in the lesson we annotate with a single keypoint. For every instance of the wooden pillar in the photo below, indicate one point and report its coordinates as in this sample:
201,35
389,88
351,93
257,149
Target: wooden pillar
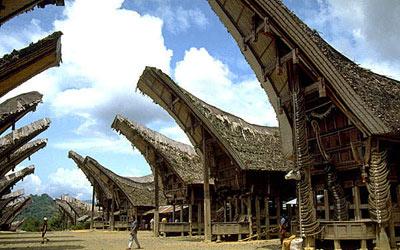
236,207
266,204
225,211
398,194
230,210
207,202
92,212
112,211
326,204
357,203
278,209
156,202
181,217
258,218
173,212
249,216
241,206
199,218
191,212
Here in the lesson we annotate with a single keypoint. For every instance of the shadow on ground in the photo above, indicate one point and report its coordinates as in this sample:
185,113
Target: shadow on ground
35,237
60,247
34,241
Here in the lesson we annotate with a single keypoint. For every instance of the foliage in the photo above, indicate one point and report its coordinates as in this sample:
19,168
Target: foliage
81,225
41,206
31,224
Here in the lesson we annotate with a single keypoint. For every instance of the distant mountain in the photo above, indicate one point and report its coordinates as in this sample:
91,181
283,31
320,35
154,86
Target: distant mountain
41,206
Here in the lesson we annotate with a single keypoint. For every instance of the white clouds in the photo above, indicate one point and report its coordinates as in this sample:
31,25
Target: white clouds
211,80
365,31
62,181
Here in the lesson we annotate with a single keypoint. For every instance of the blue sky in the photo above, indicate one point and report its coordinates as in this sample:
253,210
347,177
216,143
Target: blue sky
106,45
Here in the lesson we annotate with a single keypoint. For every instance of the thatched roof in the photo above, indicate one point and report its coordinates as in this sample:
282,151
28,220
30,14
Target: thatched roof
8,198
142,179
21,65
16,107
138,194
12,8
8,163
9,213
101,187
373,99
9,180
253,147
21,136
67,209
181,158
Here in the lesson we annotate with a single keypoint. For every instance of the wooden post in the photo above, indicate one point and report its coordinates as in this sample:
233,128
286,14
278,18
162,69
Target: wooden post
266,204
224,210
356,201
258,218
191,212
249,217
278,209
236,207
199,218
181,218
173,211
326,204
398,194
92,213
156,202
207,203
112,211
230,210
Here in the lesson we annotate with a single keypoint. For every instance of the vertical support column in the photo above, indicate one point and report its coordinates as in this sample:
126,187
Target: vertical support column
156,202
249,216
207,203
236,207
258,218
112,211
92,212
199,218
181,217
230,210
225,211
173,211
278,209
356,201
326,204
191,212
398,194
266,204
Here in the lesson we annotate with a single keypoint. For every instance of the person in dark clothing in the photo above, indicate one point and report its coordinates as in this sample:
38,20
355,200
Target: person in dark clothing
44,230
133,235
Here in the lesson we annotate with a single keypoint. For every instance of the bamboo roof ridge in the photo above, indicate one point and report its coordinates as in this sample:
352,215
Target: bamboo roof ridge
20,136
11,212
252,146
9,180
12,8
16,107
181,157
374,100
20,155
21,65
138,194
102,189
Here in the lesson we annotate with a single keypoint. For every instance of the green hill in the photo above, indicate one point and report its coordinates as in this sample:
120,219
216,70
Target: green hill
41,206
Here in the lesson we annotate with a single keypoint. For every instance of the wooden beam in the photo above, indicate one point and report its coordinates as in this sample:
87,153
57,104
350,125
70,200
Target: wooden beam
266,204
181,217
112,211
191,211
156,201
249,216
207,202
92,212
199,218
326,204
357,202
258,217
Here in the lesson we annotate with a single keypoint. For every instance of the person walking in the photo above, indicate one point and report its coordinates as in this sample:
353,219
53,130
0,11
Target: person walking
133,235
44,230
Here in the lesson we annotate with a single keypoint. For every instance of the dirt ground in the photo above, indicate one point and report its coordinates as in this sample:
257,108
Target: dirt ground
118,240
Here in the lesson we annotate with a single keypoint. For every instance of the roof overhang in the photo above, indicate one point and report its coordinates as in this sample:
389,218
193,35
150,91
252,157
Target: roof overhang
20,155
12,8
21,65
16,209
9,180
16,107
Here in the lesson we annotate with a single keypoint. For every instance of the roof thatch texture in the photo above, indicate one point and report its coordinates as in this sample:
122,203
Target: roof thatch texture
374,99
9,180
12,8
11,212
19,137
102,189
138,194
253,147
67,209
182,158
8,163
21,65
16,107
142,179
